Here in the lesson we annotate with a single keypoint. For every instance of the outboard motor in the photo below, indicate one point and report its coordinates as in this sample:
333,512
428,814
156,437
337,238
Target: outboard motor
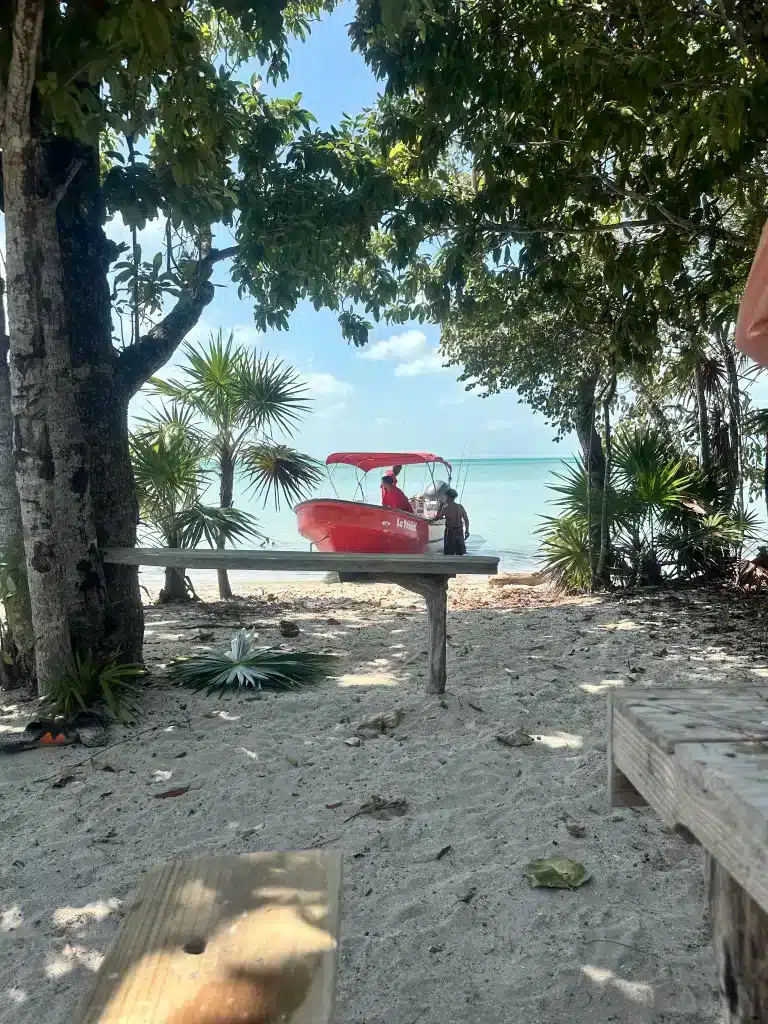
436,491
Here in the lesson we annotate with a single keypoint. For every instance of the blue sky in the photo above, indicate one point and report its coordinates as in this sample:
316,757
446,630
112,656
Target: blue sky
395,394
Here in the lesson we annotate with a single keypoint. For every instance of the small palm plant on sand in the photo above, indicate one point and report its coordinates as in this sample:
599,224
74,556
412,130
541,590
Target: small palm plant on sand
168,457
238,400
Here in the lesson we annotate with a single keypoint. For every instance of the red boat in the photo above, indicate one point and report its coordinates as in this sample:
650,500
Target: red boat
334,524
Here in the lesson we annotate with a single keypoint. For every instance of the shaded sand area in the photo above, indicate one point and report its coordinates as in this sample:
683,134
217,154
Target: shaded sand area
438,922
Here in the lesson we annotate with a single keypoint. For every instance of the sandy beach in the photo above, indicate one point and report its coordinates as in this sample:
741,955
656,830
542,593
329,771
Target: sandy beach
426,939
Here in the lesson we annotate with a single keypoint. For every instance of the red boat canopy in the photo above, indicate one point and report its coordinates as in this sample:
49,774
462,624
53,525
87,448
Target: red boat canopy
382,460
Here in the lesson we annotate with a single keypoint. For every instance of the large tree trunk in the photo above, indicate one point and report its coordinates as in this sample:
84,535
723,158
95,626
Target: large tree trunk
17,654
226,495
66,580
101,394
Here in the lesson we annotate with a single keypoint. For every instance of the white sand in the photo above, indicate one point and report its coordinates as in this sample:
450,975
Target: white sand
630,946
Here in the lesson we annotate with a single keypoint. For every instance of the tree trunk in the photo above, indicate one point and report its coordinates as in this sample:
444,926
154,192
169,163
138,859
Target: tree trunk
101,394
175,589
602,561
703,418
226,493
17,649
66,580
584,422
734,422
765,473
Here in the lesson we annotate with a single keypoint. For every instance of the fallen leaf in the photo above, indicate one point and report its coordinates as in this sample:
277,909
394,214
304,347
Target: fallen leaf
293,761
332,807
108,768
519,738
378,807
172,792
469,895
556,873
442,853
353,741
63,780
475,707
438,948
579,831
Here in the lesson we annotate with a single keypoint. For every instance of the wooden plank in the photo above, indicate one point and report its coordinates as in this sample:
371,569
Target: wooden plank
722,798
700,715
305,561
214,938
740,937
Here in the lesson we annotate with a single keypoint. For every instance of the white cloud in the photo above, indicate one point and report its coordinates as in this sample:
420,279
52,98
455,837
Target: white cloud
430,363
399,346
327,384
327,412
498,425
384,421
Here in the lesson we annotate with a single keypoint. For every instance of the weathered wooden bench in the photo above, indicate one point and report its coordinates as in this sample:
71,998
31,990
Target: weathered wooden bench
427,575
213,939
699,758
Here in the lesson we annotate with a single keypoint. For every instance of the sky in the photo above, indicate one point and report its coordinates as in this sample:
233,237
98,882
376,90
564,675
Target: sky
395,394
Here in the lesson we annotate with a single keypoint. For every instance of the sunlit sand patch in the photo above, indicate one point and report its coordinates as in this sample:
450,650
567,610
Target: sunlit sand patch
67,917
760,671
622,624
604,686
558,740
71,957
17,996
637,991
367,679
10,919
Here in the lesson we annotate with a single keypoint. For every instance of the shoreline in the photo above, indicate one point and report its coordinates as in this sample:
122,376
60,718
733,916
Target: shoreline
460,937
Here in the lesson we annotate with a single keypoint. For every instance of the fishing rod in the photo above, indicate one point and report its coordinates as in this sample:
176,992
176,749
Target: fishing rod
461,463
466,474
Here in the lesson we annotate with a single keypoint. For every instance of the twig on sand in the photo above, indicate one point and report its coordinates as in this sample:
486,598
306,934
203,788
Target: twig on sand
97,752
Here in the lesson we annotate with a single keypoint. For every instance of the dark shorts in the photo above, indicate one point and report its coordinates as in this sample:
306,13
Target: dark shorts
454,543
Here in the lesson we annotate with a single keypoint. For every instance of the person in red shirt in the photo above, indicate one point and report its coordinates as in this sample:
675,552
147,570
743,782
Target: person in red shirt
392,496
394,472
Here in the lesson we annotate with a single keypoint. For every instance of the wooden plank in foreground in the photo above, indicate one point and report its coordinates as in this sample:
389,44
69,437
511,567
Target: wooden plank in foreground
305,561
215,938
699,757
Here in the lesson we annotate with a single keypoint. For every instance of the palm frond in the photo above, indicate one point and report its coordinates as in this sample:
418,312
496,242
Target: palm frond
92,682
271,394
209,522
246,665
565,552
280,471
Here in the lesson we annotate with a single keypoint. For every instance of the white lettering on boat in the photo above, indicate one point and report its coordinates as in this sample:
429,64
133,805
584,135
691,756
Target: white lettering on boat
407,524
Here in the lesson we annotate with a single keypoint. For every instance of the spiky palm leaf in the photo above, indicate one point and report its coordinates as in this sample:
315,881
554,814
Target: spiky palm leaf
565,551
92,682
246,665
280,471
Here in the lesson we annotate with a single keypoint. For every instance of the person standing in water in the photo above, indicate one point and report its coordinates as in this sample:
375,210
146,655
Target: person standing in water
456,524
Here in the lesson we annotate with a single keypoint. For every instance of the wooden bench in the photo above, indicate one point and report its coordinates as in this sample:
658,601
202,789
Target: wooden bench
426,575
699,758
212,939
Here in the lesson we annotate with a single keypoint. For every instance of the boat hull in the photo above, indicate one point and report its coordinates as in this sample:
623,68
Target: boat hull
331,524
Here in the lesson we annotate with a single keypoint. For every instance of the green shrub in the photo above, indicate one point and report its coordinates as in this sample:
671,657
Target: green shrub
99,683
246,665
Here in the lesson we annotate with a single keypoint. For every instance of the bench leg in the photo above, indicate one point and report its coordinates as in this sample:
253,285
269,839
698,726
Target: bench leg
436,596
740,936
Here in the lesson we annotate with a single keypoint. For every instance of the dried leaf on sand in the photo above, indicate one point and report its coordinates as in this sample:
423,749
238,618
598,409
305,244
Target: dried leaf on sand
378,807
556,873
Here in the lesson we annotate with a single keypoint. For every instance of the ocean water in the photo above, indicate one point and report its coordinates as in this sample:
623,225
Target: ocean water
504,498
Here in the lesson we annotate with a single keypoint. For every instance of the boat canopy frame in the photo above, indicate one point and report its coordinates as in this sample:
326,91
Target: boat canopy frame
364,462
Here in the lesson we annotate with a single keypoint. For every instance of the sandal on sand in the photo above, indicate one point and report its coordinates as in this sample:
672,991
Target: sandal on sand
41,733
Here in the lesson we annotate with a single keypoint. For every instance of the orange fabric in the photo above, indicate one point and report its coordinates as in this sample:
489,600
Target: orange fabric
752,322
47,739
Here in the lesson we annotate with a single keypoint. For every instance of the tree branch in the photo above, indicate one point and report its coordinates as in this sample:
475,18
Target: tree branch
137,363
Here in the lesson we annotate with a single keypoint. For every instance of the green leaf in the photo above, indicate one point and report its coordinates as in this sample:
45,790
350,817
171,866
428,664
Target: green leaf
556,873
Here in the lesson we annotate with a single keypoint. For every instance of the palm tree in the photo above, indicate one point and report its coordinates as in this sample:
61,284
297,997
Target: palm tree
168,457
239,399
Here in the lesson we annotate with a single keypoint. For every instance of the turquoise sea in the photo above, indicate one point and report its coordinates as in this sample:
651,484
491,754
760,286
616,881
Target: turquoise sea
504,498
